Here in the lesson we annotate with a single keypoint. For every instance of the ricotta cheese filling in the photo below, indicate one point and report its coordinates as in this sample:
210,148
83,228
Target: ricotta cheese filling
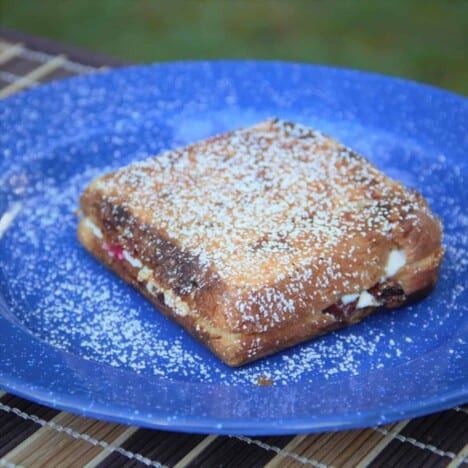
132,260
348,298
396,260
364,299
170,299
93,228
144,273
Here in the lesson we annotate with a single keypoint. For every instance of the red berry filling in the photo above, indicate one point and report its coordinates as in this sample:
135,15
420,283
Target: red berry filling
114,250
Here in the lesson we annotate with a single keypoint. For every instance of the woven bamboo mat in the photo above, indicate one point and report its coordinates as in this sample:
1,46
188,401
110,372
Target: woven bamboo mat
33,435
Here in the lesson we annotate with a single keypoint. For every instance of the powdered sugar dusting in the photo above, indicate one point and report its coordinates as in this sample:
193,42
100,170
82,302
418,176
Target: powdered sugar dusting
54,140
66,298
274,202
258,198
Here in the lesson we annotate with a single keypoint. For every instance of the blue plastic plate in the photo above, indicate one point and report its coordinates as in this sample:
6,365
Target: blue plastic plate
75,337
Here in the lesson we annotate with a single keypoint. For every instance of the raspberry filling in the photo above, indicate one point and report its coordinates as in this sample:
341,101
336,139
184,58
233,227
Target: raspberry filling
340,310
388,296
114,250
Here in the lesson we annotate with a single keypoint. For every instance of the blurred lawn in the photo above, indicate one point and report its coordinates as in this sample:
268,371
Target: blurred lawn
422,40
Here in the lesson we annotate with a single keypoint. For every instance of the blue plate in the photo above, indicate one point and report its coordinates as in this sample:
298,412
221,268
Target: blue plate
73,336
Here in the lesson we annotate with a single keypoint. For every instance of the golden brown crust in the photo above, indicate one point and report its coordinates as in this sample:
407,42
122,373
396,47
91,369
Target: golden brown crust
263,264
236,349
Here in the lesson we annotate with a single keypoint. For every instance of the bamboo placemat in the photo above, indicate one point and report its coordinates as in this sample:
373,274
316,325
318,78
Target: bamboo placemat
34,435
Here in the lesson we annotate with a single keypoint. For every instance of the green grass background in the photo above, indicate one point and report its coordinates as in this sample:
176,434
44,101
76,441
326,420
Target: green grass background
423,40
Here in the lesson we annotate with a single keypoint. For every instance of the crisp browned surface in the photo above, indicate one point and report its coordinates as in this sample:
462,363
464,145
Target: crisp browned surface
259,231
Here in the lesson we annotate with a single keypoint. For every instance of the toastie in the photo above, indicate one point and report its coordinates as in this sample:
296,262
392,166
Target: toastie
263,237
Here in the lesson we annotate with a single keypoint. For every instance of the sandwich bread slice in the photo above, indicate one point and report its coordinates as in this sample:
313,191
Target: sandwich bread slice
262,238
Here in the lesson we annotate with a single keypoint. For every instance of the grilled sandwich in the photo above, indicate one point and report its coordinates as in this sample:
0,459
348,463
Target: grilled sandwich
262,238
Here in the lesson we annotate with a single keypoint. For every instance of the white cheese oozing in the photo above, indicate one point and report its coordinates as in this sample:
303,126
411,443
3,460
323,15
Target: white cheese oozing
98,233
170,299
348,298
132,260
396,260
175,303
144,274
366,300
94,229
